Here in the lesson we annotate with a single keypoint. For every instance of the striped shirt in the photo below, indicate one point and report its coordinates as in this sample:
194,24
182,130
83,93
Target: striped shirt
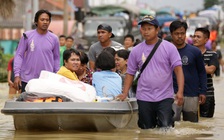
210,58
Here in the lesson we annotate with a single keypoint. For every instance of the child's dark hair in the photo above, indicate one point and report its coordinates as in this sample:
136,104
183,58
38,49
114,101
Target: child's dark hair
83,57
105,61
129,36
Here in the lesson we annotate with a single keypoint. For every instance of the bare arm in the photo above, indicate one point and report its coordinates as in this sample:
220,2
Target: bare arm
92,65
9,78
180,82
210,69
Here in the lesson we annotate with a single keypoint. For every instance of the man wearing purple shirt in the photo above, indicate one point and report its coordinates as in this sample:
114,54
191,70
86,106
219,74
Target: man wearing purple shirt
155,86
37,50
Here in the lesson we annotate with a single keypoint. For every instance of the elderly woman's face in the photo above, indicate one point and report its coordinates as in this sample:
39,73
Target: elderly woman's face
73,62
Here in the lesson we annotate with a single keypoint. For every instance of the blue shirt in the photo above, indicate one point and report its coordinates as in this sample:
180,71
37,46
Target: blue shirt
195,81
107,83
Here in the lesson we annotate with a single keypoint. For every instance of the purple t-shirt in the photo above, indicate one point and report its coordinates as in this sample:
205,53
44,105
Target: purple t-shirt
156,82
35,53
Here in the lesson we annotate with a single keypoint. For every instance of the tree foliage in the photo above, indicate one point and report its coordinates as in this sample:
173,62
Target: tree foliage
210,3
7,8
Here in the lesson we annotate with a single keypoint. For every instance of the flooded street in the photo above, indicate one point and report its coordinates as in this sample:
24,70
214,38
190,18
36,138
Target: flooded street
206,128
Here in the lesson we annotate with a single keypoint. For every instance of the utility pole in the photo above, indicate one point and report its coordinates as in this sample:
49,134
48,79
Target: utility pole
65,27
28,16
35,7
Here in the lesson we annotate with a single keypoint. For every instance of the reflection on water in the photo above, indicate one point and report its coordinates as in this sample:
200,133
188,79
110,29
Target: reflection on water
212,128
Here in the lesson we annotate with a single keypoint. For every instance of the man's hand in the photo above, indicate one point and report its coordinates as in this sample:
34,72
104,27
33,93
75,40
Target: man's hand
121,97
179,99
202,99
17,83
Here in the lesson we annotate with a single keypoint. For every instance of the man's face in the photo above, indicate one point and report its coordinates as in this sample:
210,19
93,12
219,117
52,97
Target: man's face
43,22
69,43
199,39
103,35
179,36
148,31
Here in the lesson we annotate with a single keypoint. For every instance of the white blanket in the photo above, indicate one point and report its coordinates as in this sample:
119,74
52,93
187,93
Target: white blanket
55,84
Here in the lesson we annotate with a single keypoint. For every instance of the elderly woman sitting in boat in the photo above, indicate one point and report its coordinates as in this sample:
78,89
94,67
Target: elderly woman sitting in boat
105,80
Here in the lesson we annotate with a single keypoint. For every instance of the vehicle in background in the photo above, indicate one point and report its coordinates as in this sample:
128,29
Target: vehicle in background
166,29
118,24
122,18
198,22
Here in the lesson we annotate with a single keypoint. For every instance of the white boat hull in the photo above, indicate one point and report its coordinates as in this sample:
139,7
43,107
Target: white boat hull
72,116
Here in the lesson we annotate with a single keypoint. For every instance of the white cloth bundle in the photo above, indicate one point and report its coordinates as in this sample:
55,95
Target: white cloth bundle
55,84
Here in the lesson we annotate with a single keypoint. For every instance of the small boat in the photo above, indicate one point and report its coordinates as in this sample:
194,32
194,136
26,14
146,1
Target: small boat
83,116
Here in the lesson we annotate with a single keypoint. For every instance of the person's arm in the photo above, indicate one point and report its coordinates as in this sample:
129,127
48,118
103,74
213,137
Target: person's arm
91,65
180,82
210,69
10,83
18,60
56,53
127,85
202,79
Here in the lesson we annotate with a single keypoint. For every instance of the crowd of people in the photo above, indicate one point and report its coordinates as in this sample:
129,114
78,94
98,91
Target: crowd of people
177,79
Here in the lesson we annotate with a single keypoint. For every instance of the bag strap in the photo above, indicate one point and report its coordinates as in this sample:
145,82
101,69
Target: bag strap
150,56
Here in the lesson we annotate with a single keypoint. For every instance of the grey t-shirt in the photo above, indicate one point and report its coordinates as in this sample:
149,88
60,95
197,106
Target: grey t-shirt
96,49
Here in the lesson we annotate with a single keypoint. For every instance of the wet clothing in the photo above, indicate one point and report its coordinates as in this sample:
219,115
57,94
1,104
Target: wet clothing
36,52
207,109
155,85
156,82
195,83
189,110
153,114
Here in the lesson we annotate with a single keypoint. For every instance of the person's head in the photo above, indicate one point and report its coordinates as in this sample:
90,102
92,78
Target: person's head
214,45
121,59
201,36
42,19
137,41
178,30
129,41
84,61
110,50
168,38
71,58
104,32
105,61
69,42
149,27
62,40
